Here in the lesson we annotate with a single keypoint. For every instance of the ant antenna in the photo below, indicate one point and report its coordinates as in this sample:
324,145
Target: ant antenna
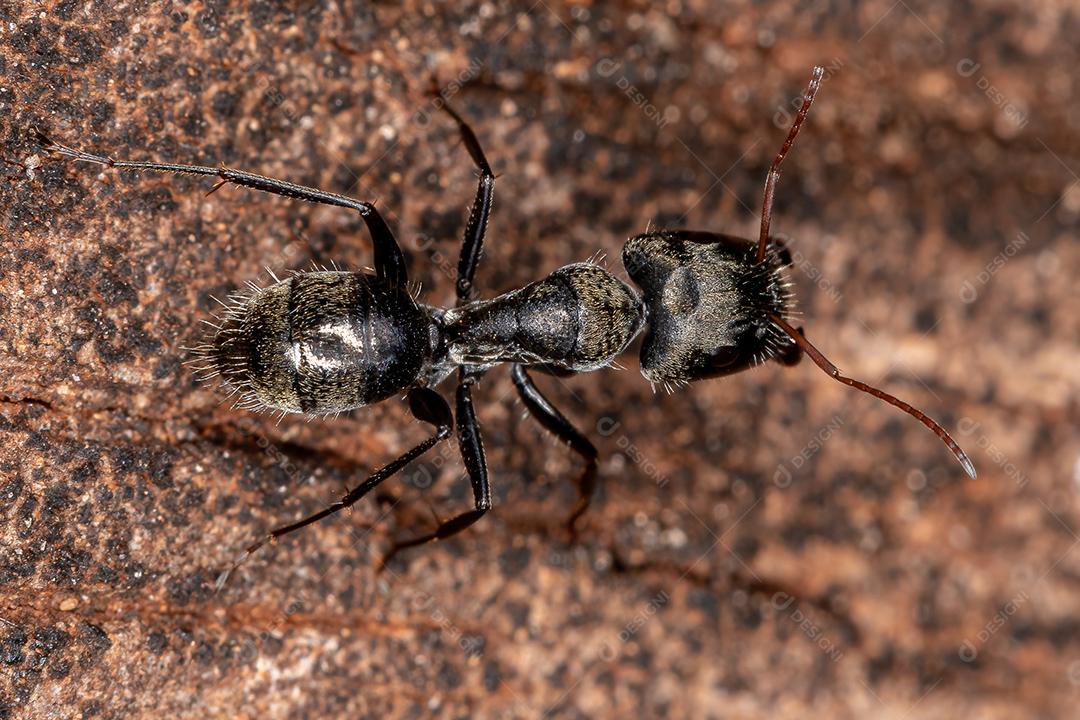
822,362
774,170
224,577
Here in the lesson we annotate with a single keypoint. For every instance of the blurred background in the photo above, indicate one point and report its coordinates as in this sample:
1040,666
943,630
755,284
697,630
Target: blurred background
769,544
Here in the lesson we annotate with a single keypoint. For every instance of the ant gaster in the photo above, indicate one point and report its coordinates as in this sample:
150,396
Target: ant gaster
329,341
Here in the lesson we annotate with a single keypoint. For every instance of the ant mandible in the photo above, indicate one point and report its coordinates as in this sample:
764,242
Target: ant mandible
327,341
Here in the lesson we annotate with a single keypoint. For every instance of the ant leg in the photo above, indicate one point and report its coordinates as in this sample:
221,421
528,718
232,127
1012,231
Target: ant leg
389,260
425,405
473,242
472,454
554,422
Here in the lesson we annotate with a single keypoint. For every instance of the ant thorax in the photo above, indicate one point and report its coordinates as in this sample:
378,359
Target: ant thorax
577,319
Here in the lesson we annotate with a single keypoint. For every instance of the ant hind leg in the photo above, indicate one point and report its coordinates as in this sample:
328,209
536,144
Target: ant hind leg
556,423
472,454
425,405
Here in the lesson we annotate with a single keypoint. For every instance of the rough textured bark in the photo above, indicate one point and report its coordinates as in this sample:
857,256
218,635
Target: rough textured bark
771,544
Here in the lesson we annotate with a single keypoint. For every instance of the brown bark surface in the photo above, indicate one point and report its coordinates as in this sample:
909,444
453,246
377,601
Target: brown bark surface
767,545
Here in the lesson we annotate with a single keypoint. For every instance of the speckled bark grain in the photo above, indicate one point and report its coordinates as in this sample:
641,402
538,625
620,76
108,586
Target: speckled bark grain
769,545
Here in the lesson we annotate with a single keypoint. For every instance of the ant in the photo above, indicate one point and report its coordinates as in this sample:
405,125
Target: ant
329,341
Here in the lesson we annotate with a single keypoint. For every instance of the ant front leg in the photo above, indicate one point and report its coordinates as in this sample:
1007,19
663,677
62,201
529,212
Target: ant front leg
389,260
426,406
472,454
473,242
554,422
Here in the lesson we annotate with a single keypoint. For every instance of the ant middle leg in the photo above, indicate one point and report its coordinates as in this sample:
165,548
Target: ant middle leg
472,454
473,243
556,423
389,260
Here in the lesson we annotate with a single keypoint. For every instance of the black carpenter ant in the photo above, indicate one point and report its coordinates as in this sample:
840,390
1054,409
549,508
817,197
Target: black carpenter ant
328,341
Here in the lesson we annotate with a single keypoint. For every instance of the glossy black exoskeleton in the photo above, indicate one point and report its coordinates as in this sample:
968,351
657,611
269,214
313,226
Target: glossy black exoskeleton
321,342
329,341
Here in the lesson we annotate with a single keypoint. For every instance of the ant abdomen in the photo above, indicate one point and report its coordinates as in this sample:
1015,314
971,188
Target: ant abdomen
320,342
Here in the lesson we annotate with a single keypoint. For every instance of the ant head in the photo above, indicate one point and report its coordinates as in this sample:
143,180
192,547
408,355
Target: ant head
709,304
712,299
718,304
